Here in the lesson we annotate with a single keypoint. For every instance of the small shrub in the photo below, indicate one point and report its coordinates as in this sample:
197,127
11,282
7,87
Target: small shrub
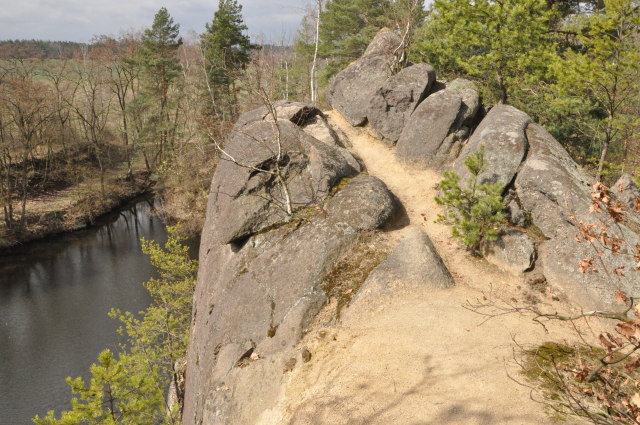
474,210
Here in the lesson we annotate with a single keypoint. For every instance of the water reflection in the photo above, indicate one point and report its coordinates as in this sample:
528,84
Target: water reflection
54,300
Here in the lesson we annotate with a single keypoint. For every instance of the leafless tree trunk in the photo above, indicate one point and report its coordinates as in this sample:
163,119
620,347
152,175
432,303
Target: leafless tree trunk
314,64
92,109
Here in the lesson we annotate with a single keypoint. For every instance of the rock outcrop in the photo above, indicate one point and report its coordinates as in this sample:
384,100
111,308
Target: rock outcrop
352,89
253,186
297,112
502,133
435,131
392,105
555,193
259,283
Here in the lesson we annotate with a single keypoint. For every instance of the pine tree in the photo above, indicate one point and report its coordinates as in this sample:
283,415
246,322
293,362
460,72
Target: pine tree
505,44
604,70
226,51
160,66
347,27
130,388
474,210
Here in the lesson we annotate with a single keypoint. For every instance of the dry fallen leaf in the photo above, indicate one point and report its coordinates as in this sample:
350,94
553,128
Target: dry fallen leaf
621,297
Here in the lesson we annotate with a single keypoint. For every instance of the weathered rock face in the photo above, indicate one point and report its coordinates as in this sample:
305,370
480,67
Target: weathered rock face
309,118
514,252
562,256
551,187
434,132
384,43
502,133
251,187
393,103
253,304
626,191
352,89
554,191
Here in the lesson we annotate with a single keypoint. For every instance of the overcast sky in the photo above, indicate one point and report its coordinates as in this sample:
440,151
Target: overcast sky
80,20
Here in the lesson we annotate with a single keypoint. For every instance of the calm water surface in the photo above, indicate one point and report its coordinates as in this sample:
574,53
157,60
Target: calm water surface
54,299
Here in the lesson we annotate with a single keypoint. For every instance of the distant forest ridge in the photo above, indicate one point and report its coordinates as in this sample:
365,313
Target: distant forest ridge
45,49
39,49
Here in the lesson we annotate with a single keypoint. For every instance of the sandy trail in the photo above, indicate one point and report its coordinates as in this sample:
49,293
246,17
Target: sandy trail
418,357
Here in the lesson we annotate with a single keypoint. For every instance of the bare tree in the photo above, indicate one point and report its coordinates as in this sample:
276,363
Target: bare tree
91,105
278,163
314,64
26,106
118,57
407,16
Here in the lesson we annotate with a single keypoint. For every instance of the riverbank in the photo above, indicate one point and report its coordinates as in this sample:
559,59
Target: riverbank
74,208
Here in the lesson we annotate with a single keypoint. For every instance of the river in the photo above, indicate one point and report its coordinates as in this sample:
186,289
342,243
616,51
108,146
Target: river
54,298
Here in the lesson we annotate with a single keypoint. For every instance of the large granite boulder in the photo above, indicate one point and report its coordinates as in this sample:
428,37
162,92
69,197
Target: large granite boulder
252,188
433,134
393,103
352,89
252,305
502,133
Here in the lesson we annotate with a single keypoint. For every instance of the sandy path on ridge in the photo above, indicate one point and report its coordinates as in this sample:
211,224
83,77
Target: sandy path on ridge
417,357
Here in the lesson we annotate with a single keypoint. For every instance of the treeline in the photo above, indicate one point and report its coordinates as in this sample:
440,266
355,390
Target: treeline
39,49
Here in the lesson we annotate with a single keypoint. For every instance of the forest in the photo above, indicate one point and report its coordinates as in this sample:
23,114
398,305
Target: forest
85,126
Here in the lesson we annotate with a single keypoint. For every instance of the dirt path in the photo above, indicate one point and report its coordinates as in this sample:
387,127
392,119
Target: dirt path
419,357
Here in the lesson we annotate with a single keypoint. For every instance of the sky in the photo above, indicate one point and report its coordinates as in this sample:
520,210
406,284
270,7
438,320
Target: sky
80,20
